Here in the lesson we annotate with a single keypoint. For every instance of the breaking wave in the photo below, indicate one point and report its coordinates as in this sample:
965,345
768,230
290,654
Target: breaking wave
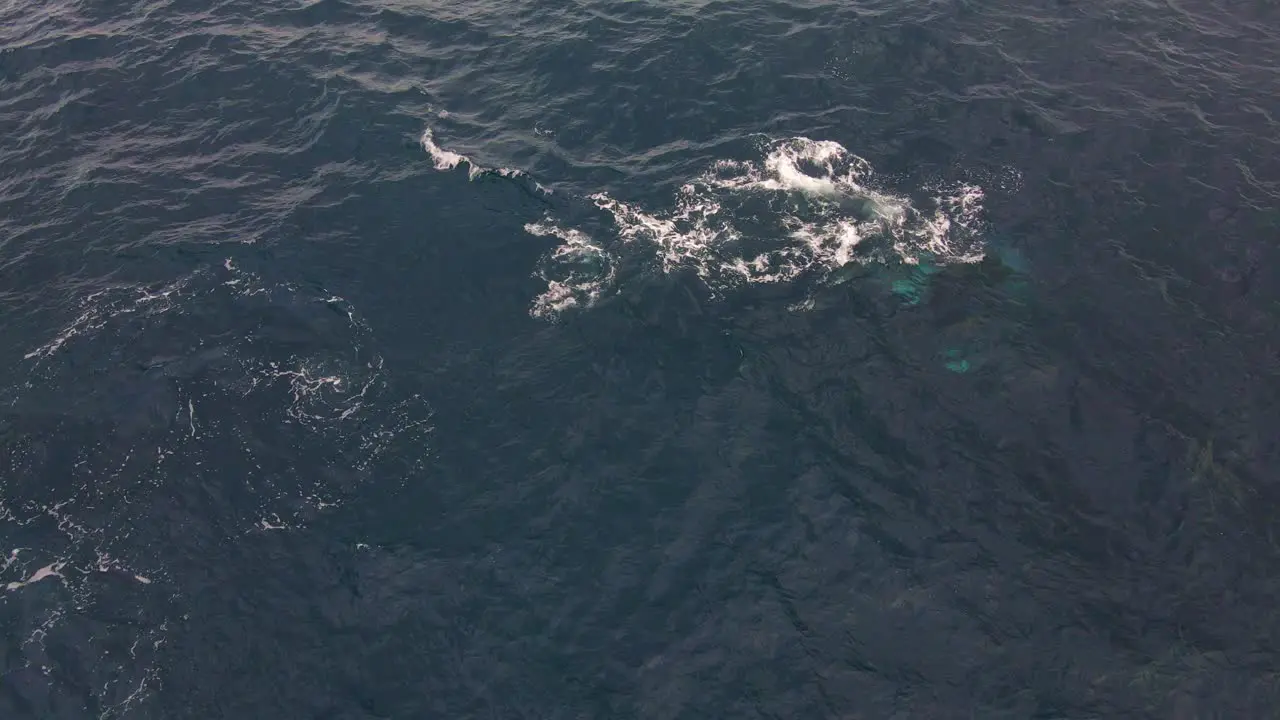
445,160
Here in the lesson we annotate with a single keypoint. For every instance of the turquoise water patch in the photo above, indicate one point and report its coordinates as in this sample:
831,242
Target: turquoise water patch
955,362
1014,265
1011,257
915,285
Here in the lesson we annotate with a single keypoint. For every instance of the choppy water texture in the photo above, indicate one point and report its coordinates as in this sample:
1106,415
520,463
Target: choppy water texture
409,359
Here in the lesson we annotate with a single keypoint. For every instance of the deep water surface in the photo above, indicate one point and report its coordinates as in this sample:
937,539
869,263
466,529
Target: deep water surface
639,359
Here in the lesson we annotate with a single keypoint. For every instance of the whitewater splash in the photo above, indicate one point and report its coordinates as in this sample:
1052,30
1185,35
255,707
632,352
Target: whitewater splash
803,209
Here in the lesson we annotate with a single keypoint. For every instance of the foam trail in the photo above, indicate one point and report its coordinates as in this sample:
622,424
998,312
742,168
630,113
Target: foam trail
803,208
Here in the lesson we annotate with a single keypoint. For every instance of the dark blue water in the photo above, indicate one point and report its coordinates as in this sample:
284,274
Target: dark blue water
605,359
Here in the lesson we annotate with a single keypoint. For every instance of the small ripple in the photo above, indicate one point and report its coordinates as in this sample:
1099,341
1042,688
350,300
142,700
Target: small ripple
195,395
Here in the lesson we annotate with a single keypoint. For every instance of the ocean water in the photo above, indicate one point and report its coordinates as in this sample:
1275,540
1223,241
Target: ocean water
639,359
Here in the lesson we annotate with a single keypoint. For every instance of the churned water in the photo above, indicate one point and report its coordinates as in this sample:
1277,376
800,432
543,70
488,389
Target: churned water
639,359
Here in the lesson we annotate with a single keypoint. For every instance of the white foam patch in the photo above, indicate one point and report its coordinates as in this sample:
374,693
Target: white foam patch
804,209
808,207
577,272
53,569
952,231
